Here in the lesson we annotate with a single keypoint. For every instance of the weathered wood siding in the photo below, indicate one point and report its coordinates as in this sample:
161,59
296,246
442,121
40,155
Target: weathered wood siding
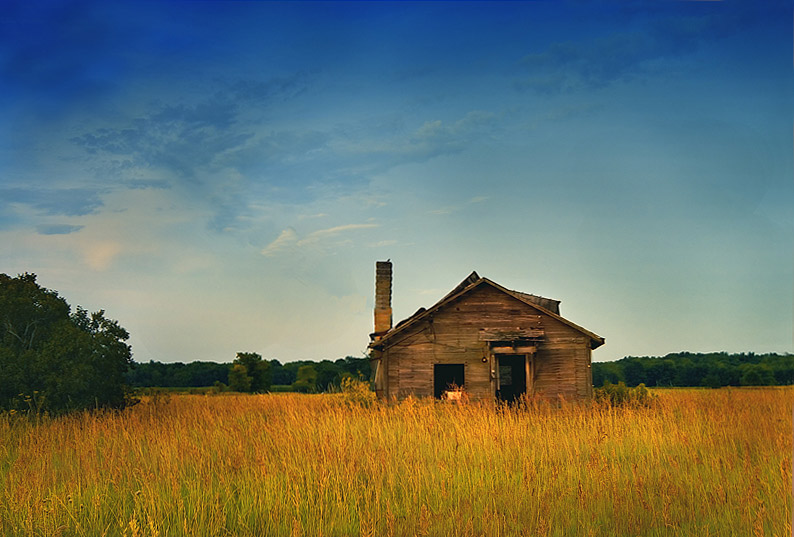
452,336
562,362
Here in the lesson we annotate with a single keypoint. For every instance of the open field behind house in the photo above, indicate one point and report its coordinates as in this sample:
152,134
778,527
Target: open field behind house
699,462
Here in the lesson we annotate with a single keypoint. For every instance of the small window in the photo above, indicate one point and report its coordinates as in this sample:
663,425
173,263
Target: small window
447,377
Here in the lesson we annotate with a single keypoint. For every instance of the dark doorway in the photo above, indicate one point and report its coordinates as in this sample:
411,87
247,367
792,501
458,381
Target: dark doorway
447,377
512,376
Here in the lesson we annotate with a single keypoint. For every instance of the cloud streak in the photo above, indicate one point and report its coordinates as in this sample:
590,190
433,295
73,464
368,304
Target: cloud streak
449,209
58,229
323,234
288,239
51,202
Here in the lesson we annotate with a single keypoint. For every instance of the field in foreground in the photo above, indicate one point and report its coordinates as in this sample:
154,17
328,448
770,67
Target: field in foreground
700,462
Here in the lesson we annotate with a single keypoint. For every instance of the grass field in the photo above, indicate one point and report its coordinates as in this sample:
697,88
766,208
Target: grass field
698,462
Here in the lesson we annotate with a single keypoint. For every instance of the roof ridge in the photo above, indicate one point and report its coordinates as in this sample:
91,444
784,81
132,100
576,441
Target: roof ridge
467,281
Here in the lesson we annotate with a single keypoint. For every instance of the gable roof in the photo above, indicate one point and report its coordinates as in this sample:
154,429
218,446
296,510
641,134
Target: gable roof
549,306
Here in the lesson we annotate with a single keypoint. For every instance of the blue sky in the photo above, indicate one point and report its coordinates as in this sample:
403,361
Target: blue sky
222,176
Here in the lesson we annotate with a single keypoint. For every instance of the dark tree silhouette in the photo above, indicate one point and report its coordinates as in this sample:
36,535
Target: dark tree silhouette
55,360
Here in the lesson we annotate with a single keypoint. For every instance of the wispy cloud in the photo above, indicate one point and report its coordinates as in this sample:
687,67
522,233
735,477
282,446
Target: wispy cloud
383,243
50,202
570,65
323,234
58,229
187,138
361,151
221,150
435,138
289,238
178,139
604,60
449,209
217,148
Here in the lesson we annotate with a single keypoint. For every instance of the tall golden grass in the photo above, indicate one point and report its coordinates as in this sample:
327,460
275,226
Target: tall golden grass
698,462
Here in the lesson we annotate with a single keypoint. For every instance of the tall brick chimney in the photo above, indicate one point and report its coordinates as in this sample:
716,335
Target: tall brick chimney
383,318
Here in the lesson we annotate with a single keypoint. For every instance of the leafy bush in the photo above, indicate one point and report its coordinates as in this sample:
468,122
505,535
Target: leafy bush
619,394
357,392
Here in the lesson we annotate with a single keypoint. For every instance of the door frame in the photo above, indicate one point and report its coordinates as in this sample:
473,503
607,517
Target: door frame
529,366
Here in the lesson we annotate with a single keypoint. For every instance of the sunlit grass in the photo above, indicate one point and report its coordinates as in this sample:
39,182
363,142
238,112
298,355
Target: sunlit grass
699,462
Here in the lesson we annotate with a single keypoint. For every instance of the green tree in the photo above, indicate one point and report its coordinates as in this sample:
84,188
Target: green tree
328,374
634,371
256,368
757,375
280,374
239,379
712,380
58,359
306,379
357,367
604,372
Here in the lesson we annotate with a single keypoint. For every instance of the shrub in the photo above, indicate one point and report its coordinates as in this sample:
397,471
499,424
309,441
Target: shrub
357,392
307,380
619,394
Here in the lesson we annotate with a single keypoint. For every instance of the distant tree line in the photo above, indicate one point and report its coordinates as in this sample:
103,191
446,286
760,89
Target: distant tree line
712,370
250,373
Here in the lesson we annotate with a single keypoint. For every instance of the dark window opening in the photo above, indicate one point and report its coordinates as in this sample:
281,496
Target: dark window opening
447,377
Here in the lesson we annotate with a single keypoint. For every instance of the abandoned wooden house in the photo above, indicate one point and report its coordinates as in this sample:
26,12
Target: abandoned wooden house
482,338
